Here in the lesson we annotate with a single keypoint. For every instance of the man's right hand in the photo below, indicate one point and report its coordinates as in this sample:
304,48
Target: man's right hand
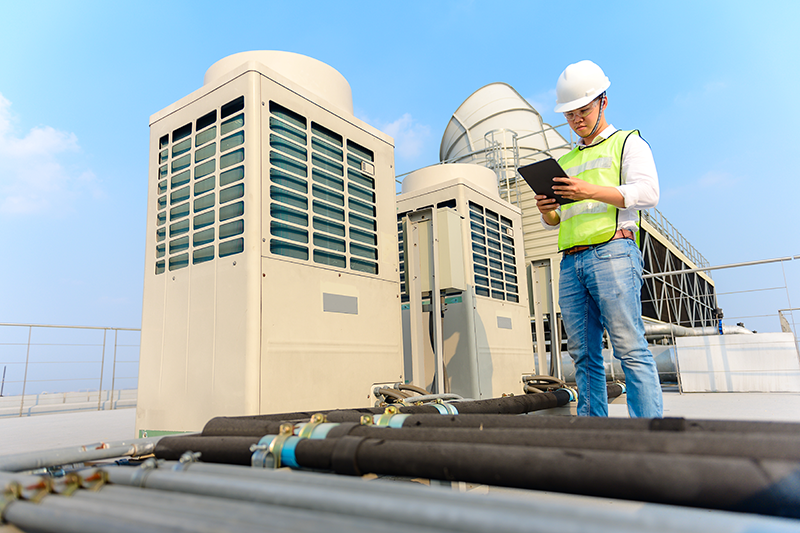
547,207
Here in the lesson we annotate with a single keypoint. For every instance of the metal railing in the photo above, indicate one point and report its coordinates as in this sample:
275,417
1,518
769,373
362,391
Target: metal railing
38,359
665,228
762,297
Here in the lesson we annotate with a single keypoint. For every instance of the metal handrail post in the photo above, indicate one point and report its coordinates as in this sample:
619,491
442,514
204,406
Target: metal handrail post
113,370
102,364
25,376
789,299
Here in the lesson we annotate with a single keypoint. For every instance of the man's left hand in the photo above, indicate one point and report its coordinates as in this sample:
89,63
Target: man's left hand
574,188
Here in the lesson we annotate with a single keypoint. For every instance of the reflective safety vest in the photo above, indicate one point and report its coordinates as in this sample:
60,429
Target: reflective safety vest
588,222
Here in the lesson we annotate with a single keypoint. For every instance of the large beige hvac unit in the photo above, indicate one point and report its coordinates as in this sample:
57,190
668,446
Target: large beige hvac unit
486,324
271,276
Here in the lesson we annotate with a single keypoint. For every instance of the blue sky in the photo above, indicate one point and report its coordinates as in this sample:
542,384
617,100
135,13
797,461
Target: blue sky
711,85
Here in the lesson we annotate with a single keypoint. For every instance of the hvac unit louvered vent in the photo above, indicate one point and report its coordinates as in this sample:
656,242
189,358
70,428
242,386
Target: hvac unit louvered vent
322,194
201,190
493,254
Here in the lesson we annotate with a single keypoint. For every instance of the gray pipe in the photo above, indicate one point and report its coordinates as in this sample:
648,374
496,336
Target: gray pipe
665,361
448,510
185,512
362,502
230,515
400,504
41,517
655,329
663,355
61,456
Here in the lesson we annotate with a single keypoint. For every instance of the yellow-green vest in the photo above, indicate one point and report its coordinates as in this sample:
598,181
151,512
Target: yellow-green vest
588,222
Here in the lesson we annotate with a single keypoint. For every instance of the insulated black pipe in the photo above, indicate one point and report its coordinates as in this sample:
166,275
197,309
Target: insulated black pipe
226,450
524,403
757,446
748,484
601,423
235,449
734,484
243,426
256,426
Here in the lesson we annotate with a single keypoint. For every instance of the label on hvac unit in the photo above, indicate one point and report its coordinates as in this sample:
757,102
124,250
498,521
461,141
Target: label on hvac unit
339,303
367,168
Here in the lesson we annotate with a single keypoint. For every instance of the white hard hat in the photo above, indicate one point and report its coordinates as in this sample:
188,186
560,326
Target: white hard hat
579,84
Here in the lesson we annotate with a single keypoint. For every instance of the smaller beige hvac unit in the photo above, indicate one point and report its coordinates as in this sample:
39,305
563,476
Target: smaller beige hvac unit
271,274
479,263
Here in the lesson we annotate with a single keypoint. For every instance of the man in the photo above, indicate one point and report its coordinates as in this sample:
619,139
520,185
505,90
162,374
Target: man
612,176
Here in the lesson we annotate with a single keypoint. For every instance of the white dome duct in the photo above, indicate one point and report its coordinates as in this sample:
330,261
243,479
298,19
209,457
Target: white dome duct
314,75
500,112
479,176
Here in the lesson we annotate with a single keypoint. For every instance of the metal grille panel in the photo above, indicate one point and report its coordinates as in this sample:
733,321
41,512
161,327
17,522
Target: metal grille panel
322,192
200,203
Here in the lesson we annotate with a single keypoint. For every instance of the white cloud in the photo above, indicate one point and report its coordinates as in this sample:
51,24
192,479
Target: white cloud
544,103
410,137
34,178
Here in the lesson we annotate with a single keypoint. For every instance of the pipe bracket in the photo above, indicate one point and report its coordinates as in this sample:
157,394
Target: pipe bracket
11,492
261,457
444,408
276,446
141,473
95,481
573,394
309,428
387,415
67,485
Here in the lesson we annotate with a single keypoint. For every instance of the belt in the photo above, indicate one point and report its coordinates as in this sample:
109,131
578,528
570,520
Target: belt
620,234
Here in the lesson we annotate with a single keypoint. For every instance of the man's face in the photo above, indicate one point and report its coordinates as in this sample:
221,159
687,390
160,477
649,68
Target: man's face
582,120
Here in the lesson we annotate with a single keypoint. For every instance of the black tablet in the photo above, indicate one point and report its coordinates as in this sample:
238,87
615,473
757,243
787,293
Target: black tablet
540,176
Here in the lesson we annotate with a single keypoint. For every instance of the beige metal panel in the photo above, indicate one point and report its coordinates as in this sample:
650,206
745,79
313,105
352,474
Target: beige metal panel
482,360
460,346
488,344
460,360
451,231
434,175
502,329
236,356
328,333
193,366
154,294
352,129
318,359
505,346
280,79
312,74
451,251
203,351
252,332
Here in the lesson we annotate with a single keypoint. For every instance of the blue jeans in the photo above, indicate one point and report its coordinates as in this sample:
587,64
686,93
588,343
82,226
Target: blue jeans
601,288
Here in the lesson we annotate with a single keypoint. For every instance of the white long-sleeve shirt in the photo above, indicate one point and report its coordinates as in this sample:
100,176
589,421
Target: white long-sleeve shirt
639,186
